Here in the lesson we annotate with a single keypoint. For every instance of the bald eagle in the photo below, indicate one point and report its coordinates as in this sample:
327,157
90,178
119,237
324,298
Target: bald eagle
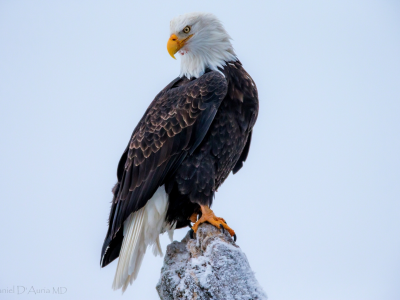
195,132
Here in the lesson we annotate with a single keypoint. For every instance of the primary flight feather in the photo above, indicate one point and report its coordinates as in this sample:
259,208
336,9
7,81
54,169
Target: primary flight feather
195,132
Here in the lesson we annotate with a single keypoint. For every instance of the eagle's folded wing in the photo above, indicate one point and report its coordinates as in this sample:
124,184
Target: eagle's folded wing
172,127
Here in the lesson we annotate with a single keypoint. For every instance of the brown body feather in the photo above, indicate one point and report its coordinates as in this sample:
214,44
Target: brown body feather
194,133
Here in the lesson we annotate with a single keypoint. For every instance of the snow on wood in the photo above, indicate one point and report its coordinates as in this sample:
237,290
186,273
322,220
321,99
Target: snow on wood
211,266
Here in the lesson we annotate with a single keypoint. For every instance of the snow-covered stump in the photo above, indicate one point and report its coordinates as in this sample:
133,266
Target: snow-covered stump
211,266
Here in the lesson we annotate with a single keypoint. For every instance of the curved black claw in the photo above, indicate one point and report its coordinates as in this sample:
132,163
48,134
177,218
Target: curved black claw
191,232
222,227
234,237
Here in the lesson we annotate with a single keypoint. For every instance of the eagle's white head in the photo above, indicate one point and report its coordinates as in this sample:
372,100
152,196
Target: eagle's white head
201,41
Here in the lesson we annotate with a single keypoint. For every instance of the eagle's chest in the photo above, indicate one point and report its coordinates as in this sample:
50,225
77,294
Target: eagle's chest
202,172
226,138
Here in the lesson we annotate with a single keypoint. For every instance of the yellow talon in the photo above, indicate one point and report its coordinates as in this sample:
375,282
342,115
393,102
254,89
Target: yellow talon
208,216
193,217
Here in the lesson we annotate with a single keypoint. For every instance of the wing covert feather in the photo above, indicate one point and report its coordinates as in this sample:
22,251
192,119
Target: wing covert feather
172,127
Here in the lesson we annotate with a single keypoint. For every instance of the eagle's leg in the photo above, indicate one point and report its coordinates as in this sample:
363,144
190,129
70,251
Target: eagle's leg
207,215
193,217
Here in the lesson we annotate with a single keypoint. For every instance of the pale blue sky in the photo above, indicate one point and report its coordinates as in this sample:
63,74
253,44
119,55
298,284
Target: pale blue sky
316,206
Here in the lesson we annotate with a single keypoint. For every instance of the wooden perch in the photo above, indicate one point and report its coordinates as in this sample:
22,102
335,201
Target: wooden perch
211,266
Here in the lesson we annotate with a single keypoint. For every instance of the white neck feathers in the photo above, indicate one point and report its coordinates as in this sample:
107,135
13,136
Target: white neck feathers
195,60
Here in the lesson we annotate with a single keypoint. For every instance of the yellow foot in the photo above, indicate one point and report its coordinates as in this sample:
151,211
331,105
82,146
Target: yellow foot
208,216
193,217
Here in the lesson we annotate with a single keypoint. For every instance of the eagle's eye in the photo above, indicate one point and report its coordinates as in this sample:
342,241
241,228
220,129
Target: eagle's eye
186,29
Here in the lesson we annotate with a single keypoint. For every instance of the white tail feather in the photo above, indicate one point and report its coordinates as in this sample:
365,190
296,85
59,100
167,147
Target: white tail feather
142,229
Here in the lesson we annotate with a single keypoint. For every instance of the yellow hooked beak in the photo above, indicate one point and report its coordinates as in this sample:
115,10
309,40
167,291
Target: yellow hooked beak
174,44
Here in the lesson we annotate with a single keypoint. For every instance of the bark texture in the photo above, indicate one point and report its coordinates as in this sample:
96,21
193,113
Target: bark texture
211,266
